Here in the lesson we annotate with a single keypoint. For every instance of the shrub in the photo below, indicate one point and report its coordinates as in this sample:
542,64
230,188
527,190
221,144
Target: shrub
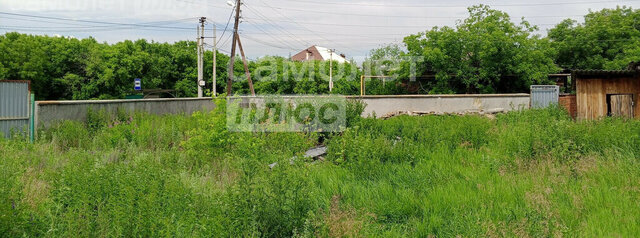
96,120
270,202
210,138
355,108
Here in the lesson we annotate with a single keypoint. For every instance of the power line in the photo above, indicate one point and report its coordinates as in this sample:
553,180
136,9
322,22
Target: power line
364,35
403,16
267,43
346,36
319,35
458,17
278,27
39,21
201,3
89,27
77,30
66,24
273,37
370,26
228,21
454,6
225,42
90,21
225,51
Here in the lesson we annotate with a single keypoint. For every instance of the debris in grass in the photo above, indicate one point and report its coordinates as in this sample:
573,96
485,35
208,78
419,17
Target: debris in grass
488,113
315,153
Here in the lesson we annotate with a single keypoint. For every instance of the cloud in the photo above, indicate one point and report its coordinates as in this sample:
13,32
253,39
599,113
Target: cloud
279,27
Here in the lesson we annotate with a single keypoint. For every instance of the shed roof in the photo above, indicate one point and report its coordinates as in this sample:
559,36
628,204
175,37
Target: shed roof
596,72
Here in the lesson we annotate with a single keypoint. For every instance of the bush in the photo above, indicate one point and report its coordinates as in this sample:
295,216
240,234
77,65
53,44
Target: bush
270,203
210,139
355,108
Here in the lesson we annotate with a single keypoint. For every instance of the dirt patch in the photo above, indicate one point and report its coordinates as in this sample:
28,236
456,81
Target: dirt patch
345,222
539,200
36,190
586,165
210,181
500,229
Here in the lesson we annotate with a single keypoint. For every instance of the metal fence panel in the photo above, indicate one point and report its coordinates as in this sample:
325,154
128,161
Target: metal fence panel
543,96
14,107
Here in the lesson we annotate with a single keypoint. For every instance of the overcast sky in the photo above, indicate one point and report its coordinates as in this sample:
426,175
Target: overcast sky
274,27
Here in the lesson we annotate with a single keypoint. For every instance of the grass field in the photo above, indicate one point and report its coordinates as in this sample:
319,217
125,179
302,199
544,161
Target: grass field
530,173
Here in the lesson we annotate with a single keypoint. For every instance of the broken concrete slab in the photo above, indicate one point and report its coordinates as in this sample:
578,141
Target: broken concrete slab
316,153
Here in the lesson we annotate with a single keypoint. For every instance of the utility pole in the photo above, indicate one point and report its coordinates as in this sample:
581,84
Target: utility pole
215,52
198,56
246,68
236,40
201,56
233,47
331,69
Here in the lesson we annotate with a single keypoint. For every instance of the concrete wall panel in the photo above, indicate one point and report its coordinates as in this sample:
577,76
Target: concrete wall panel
50,112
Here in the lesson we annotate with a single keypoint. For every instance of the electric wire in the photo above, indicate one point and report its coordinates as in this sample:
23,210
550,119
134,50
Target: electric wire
455,6
278,27
92,21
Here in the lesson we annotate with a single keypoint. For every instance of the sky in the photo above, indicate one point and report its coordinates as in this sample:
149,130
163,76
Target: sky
273,27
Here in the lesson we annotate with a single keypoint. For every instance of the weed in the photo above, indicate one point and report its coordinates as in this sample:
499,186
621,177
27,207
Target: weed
526,173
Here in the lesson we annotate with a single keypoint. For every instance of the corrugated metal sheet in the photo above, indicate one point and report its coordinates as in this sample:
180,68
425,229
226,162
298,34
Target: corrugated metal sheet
14,106
596,72
9,128
544,95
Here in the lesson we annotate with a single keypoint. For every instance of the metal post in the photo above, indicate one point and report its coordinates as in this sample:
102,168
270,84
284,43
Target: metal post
330,70
198,50
362,85
201,56
215,52
32,121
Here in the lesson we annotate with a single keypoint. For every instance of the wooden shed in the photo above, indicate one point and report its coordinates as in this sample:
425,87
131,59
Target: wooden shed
603,93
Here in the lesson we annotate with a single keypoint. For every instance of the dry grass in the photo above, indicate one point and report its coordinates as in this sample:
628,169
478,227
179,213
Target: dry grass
36,190
343,222
211,181
500,229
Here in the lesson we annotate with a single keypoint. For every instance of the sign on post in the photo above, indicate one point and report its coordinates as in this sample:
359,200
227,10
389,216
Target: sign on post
137,84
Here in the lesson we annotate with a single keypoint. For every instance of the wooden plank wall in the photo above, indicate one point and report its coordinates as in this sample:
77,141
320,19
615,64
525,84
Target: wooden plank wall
592,95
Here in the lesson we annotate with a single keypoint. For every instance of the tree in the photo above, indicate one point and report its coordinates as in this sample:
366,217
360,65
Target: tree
485,53
385,61
608,39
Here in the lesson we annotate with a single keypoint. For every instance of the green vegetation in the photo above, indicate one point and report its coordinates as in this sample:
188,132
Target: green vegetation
606,40
485,53
529,173
61,68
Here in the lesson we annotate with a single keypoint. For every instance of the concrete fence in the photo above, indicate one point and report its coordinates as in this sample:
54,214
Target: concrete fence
384,105
50,112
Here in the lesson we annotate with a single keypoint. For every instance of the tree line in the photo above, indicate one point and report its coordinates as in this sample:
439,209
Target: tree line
484,53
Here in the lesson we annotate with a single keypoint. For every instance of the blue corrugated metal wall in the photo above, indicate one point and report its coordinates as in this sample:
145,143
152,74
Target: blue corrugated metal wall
14,107
544,95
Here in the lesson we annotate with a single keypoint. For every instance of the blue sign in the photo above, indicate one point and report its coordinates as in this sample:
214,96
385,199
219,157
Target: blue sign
137,84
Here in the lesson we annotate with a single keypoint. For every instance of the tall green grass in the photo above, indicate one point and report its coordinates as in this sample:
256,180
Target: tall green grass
526,173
